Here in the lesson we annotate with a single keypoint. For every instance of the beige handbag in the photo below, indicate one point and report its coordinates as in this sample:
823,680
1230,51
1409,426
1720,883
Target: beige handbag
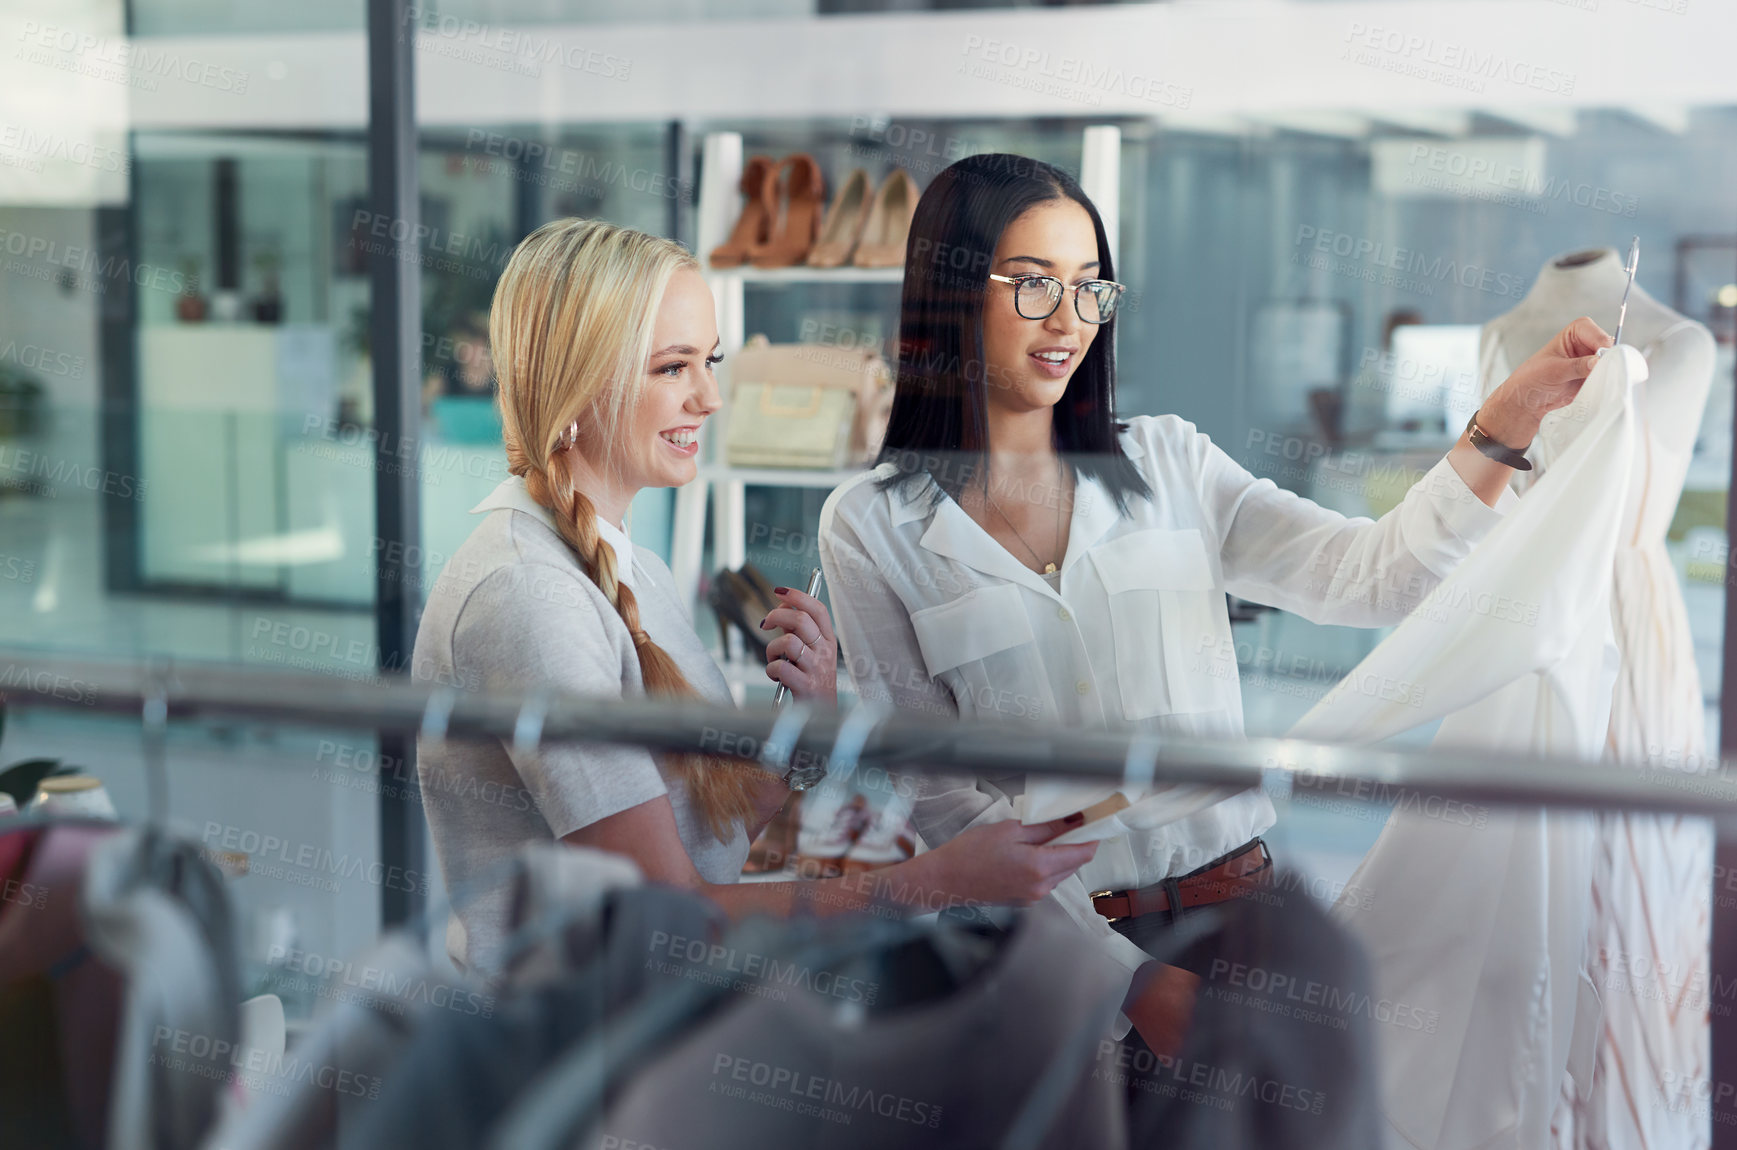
805,405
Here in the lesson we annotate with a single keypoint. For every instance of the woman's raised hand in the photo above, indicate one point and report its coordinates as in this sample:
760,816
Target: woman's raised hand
1550,379
805,657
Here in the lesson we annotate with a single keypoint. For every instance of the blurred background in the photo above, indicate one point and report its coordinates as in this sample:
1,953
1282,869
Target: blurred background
1315,205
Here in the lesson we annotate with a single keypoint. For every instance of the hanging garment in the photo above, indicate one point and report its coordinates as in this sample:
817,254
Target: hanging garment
333,1082
466,1070
157,911
1648,942
331,1078
554,908
118,987
1479,916
1280,1052
816,1066
59,1010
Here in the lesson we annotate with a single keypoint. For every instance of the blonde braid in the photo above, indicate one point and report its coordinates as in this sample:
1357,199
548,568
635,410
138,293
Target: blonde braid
721,788
570,336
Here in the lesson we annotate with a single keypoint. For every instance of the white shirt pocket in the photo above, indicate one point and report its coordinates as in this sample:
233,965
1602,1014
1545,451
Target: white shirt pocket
1174,652
982,647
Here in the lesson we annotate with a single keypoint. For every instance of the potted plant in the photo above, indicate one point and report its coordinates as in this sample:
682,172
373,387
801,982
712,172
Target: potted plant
20,780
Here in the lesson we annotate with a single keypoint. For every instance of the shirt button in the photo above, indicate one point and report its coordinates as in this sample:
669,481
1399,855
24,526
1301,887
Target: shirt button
1064,615
1083,687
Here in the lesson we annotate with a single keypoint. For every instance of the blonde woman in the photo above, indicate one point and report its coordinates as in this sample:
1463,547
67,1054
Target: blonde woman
604,343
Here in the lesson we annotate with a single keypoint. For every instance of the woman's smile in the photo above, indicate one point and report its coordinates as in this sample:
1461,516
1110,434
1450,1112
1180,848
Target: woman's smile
1054,362
684,441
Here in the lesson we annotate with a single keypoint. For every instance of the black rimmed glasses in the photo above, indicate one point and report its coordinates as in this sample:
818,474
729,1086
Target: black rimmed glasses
1037,297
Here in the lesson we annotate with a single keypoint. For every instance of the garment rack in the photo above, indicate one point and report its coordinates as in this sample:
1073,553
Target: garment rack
842,739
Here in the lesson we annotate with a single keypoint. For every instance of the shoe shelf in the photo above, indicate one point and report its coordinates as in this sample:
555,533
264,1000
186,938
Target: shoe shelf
802,274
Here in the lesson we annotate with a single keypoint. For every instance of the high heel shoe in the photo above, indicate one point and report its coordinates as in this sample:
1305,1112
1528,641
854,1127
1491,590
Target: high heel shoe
738,605
762,586
889,223
794,196
753,225
844,223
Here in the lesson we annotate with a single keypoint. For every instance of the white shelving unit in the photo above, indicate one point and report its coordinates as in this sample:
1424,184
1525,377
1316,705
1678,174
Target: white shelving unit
723,488
798,275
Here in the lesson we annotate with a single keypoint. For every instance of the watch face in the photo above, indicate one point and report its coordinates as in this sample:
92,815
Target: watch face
802,778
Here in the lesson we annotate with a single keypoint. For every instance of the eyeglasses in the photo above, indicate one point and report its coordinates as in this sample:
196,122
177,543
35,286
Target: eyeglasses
1037,297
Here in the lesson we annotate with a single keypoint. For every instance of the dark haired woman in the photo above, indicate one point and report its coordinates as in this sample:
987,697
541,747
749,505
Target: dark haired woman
1020,554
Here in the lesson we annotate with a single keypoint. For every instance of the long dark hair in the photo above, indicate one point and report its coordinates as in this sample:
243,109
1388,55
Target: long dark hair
939,424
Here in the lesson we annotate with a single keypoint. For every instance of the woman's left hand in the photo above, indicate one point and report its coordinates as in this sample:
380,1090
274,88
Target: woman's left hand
1548,380
805,657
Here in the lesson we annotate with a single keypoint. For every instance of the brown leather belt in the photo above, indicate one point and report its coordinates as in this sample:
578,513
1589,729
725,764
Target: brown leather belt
1218,881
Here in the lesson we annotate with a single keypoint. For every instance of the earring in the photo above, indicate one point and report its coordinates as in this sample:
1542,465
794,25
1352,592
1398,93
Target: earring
570,436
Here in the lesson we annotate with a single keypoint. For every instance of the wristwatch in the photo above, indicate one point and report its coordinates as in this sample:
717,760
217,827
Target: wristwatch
1505,455
801,778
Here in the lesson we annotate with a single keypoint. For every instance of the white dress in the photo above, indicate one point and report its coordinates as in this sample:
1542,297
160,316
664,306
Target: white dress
1475,920
1652,874
1648,938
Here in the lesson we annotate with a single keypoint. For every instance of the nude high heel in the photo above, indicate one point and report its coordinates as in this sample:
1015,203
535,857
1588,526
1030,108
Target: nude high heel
889,223
753,225
844,223
794,196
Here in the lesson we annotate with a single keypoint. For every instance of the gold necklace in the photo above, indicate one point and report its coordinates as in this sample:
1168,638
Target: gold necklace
1048,568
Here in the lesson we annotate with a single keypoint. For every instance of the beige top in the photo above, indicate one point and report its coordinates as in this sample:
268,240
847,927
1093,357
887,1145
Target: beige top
513,611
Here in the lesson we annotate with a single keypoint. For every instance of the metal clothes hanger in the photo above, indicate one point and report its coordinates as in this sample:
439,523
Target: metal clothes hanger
527,740
780,742
155,736
852,736
1140,768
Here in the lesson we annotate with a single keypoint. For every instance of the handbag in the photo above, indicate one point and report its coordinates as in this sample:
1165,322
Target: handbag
805,405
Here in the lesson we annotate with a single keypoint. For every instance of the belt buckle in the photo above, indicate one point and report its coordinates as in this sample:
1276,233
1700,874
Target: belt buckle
1098,894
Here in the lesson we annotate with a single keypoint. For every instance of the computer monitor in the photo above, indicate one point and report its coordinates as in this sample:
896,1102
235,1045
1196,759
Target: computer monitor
1430,376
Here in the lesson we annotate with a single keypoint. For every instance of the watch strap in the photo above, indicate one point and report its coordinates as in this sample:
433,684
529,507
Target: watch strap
1489,447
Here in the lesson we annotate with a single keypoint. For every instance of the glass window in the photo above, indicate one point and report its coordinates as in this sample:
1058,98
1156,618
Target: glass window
184,465
188,446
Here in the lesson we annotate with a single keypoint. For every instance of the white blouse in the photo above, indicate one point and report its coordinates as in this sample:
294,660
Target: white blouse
934,614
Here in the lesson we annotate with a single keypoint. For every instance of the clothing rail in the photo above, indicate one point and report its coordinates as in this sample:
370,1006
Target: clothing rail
159,691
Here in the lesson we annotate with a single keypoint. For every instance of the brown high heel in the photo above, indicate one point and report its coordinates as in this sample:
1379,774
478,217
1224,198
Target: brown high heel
753,225
889,223
794,196
845,220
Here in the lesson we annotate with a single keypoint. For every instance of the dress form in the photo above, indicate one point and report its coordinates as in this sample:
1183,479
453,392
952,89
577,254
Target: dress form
1679,352
1652,874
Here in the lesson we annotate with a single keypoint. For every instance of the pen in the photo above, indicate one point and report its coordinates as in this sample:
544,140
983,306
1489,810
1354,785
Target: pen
813,588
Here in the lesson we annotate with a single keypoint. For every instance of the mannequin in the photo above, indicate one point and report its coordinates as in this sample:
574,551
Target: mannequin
1652,874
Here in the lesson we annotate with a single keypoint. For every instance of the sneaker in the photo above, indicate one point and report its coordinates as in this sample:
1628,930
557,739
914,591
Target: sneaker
885,838
820,851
